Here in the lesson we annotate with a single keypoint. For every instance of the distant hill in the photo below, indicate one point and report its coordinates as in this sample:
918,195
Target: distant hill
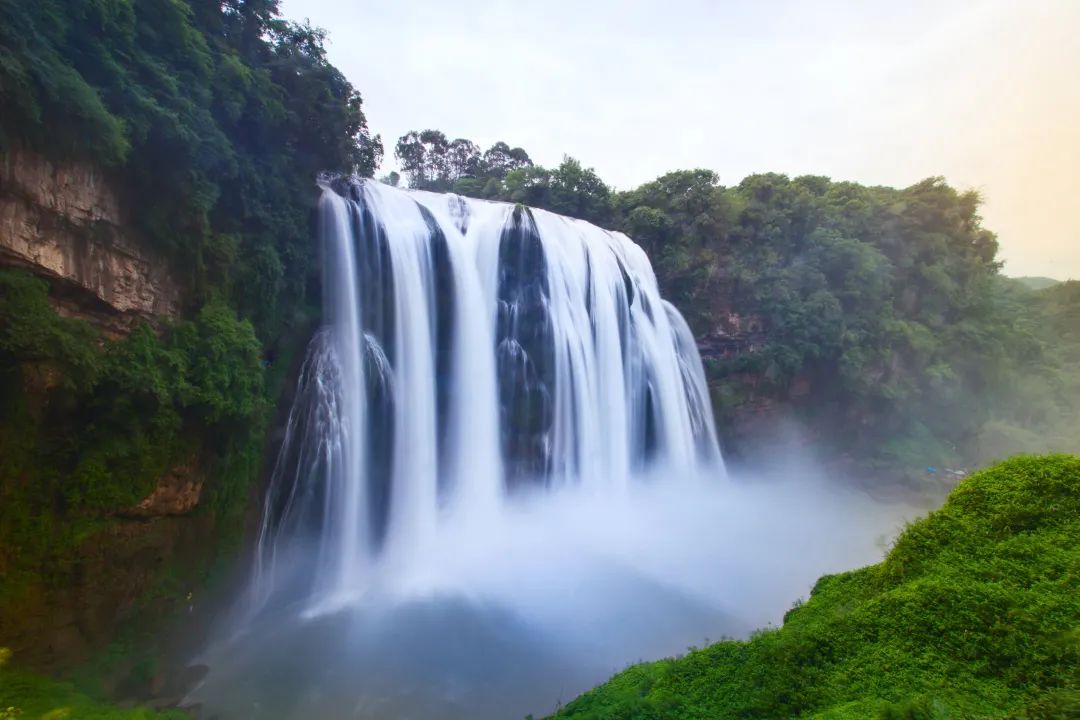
1037,283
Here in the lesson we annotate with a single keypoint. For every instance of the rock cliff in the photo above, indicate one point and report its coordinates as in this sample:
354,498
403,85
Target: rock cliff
65,223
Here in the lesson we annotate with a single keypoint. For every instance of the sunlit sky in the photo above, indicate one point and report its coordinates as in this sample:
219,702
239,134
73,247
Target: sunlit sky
983,92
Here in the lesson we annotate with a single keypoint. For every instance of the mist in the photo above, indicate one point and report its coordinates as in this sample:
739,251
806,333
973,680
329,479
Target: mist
519,611
552,504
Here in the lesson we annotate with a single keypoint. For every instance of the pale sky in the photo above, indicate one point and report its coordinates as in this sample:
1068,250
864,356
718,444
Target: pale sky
983,92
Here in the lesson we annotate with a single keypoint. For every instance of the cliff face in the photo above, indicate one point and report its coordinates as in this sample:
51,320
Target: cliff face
65,223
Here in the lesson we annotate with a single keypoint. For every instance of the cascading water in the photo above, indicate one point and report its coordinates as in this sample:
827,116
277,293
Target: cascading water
500,480
471,348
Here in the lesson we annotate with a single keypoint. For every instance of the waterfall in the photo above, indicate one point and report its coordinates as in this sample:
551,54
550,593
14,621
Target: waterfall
472,351
499,482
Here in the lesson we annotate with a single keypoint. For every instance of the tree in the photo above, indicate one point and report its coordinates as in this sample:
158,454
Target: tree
579,192
500,159
431,162
463,159
410,152
425,159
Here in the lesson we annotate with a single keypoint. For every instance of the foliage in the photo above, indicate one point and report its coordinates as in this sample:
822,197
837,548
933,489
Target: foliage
31,697
214,117
878,313
32,332
569,189
212,120
1038,409
90,427
1036,283
431,162
972,614
110,416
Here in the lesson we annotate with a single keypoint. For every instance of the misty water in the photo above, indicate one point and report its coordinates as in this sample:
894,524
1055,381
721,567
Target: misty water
500,481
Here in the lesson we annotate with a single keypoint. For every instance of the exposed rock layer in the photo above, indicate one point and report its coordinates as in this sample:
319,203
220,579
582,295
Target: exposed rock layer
65,223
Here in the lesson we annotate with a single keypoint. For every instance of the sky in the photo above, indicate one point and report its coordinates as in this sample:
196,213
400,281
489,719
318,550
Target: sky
983,92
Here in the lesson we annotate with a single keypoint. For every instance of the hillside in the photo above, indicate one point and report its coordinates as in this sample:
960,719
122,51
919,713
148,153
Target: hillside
1036,283
973,613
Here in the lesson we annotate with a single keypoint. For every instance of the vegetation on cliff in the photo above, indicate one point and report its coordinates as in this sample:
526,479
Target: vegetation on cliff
215,117
105,419
431,162
877,313
973,613
91,426
211,120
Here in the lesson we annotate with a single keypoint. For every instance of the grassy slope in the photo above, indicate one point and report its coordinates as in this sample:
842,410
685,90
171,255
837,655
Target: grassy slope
32,697
974,613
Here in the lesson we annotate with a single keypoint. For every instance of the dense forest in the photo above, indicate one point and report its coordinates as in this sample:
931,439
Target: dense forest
878,316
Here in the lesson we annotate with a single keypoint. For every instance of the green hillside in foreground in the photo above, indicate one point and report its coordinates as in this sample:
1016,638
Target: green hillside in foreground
974,613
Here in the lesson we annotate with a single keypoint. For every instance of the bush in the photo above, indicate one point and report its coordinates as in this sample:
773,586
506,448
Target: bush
31,697
125,411
971,614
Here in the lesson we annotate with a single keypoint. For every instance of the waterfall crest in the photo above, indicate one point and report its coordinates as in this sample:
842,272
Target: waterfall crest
472,350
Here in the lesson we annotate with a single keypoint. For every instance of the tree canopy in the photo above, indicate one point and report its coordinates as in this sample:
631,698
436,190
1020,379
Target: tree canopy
214,117
430,162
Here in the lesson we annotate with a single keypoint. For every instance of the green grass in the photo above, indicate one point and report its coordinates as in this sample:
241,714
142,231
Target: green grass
974,613
32,697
